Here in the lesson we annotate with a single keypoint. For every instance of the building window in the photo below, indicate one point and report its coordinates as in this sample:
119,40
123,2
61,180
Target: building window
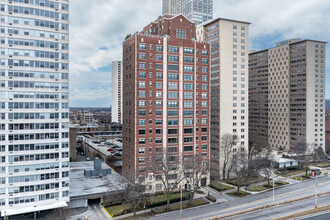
180,33
172,49
142,46
188,50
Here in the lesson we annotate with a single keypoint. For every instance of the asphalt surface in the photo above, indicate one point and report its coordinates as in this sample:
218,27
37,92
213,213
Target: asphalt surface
325,216
283,210
94,212
293,191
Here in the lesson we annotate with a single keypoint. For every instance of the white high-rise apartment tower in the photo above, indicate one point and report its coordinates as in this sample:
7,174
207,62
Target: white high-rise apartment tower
34,105
197,11
117,91
229,85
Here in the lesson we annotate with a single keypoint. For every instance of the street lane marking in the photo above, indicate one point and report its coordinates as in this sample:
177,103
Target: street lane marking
283,195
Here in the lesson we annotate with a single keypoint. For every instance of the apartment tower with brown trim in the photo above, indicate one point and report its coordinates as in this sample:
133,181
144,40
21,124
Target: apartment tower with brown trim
287,94
166,88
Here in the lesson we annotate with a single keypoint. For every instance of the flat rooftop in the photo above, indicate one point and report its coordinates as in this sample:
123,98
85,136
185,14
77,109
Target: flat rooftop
81,185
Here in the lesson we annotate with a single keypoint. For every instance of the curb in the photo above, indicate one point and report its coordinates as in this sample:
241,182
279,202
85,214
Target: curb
111,216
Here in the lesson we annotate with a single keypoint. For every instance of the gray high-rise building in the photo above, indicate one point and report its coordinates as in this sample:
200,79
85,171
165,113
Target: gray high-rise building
34,105
197,11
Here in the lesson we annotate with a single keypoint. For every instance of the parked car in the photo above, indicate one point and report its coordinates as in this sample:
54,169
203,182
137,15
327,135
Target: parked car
111,149
115,147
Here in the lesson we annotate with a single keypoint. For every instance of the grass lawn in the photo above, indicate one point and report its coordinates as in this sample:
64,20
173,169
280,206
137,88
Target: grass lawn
290,173
239,194
163,197
199,192
250,180
117,209
219,186
264,187
195,203
322,165
301,178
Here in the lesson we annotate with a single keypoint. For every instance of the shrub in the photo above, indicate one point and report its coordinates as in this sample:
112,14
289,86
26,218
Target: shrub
211,198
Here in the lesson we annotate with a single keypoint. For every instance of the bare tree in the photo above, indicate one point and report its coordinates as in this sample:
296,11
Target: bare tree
258,148
171,174
226,148
133,194
232,163
193,172
240,170
262,166
304,154
319,154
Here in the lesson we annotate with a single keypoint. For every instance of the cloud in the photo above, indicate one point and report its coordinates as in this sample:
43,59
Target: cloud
98,28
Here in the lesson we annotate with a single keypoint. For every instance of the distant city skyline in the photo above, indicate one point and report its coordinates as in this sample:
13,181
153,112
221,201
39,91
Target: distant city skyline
96,39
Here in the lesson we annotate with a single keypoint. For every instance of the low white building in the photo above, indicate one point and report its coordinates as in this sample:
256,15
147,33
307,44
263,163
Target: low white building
282,163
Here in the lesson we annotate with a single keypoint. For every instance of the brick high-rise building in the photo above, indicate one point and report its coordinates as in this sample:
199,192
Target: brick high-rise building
165,100
229,85
197,11
34,106
287,94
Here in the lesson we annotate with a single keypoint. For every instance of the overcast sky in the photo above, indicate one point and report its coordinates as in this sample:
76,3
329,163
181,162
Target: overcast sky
98,28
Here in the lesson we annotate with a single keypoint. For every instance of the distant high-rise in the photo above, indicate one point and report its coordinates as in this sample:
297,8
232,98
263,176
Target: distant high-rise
117,90
34,105
197,11
229,86
166,106
287,94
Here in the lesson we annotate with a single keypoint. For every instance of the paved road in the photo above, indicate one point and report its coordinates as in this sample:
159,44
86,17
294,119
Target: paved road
283,210
94,212
286,193
325,216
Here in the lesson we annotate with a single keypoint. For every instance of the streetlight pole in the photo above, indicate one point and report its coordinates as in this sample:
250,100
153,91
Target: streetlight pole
316,190
273,188
181,201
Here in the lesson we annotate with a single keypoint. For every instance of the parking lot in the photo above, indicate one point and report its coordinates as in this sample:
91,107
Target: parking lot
108,147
